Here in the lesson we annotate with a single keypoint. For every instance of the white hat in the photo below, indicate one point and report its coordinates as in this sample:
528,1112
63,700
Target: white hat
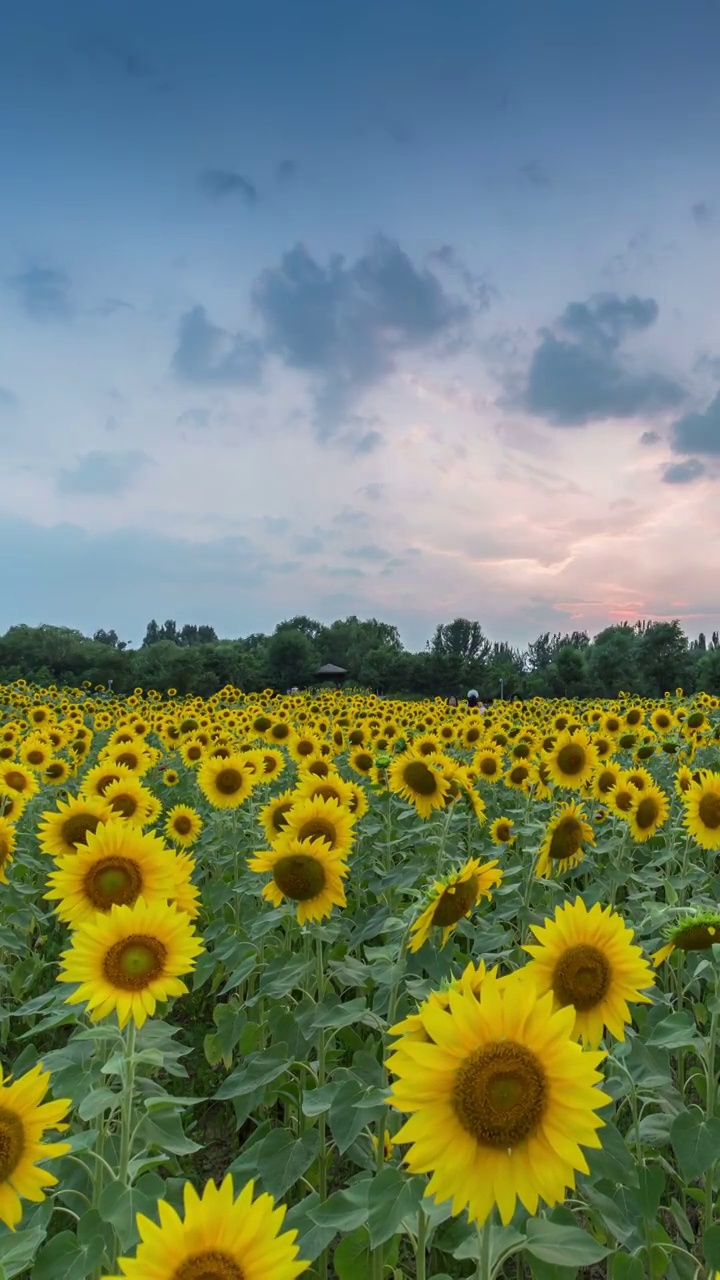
473,693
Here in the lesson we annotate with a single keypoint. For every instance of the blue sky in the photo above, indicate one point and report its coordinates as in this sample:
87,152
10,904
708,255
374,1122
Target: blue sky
401,309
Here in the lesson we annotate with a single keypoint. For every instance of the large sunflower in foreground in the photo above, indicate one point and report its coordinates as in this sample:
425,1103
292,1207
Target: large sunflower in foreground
218,1238
588,960
501,1101
118,864
702,810
572,759
566,834
307,872
226,783
453,898
23,1119
415,779
130,960
62,832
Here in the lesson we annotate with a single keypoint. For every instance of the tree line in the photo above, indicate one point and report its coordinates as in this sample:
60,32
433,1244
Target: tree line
647,659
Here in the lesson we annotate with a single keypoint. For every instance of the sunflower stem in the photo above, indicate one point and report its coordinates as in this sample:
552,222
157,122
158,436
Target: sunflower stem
420,1258
484,1268
710,1094
322,1134
126,1106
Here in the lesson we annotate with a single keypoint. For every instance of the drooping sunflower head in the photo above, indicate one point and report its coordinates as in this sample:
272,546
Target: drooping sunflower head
453,898
567,833
695,931
307,872
588,960
61,833
130,960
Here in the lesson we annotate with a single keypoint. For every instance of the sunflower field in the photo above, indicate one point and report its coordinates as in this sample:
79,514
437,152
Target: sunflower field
340,987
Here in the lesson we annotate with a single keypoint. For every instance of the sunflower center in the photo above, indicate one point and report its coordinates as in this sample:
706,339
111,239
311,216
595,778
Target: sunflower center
623,801
75,829
299,876
209,1266
695,720
420,779
455,902
571,759
472,735
112,880
12,1142
499,1094
182,825
709,811
17,780
502,831
55,770
318,829
581,977
187,725
566,839
128,758
606,780
126,805
229,781
698,937
279,820
35,756
134,962
489,767
647,813
281,731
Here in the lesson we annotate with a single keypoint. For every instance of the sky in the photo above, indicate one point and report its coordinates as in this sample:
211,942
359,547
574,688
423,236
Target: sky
403,309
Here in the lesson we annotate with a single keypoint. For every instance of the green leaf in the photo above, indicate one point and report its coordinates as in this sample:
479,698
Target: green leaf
282,1159
345,1210
258,1071
711,1248
677,1031
312,1237
166,1132
339,1013
120,1206
625,1267
316,1101
17,1250
349,1115
695,1142
392,1197
566,1246
351,1259
96,1102
55,1260
651,1184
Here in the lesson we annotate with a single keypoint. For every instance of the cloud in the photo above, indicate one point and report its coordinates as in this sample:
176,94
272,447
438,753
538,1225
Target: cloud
207,353
345,324
43,293
650,438
698,432
109,306
218,183
286,171
586,379
102,473
374,491
197,418
704,213
706,363
368,551
8,399
683,472
535,174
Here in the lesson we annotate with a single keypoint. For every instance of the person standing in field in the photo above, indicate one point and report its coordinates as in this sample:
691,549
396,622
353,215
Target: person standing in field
473,698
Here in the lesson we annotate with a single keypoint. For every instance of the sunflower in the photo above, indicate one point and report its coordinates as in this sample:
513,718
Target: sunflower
648,813
219,1238
16,777
11,804
702,810
35,752
24,1117
225,783
501,1101
361,761
185,894
605,778
501,831
518,776
453,898
307,872
697,931
639,778
332,788
588,960
415,779
358,803
274,815
129,800
130,960
621,797
488,763
118,864
132,754
7,844
62,832
273,762
566,834
170,777
183,825
320,819
572,760
96,781
412,1026
56,772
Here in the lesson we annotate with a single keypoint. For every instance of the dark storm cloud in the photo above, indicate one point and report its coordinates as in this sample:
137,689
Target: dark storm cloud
698,432
582,376
219,183
684,472
43,293
102,473
207,353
